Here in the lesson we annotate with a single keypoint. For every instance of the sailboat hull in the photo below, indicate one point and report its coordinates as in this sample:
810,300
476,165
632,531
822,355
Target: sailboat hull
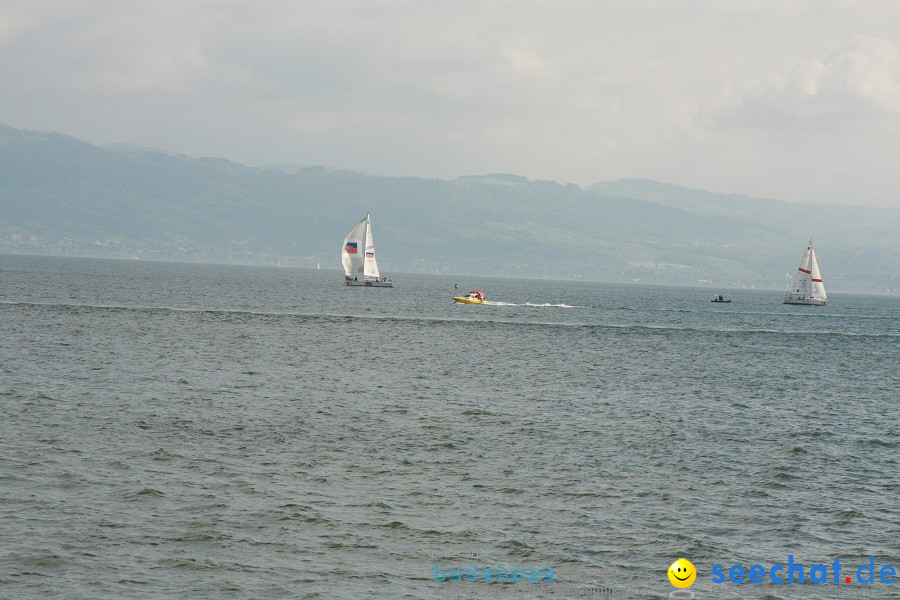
805,301
370,283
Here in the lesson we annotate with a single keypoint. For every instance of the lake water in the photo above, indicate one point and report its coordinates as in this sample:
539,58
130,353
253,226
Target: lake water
203,431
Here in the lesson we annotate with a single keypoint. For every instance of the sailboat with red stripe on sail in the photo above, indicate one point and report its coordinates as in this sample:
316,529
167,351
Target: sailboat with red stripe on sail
807,287
358,257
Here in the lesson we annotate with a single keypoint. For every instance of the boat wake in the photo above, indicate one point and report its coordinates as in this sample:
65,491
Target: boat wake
530,304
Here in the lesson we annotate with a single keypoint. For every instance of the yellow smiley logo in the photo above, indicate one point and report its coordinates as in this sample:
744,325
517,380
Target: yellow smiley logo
682,573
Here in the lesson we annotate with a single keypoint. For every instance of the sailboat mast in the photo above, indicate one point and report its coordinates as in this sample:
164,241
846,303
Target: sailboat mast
362,267
809,268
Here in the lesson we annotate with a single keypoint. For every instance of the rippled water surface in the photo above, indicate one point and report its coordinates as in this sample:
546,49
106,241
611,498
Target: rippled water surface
200,431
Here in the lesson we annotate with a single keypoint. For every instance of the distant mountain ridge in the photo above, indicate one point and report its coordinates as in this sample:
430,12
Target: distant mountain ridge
59,195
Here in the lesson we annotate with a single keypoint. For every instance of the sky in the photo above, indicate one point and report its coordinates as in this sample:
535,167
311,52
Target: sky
797,100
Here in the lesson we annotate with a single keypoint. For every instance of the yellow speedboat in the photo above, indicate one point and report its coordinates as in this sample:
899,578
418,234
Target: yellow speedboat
473,297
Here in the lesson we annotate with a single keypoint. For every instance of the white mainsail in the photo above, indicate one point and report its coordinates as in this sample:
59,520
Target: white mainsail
803,280
352,251
807,287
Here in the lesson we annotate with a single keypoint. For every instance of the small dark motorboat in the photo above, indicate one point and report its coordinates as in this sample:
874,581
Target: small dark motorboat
720,298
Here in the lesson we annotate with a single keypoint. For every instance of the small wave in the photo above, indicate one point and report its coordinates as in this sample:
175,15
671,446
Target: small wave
879,443
146,492
817,314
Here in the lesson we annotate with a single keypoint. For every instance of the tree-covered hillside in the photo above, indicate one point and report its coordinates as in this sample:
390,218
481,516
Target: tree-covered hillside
59,195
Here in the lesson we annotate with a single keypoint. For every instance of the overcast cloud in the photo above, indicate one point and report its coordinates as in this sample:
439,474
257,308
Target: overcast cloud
790,99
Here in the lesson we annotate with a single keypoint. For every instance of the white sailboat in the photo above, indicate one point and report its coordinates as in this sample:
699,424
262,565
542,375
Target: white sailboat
358,256
807,287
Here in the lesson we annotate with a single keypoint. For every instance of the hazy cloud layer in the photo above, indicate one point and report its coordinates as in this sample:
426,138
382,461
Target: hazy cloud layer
792,99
